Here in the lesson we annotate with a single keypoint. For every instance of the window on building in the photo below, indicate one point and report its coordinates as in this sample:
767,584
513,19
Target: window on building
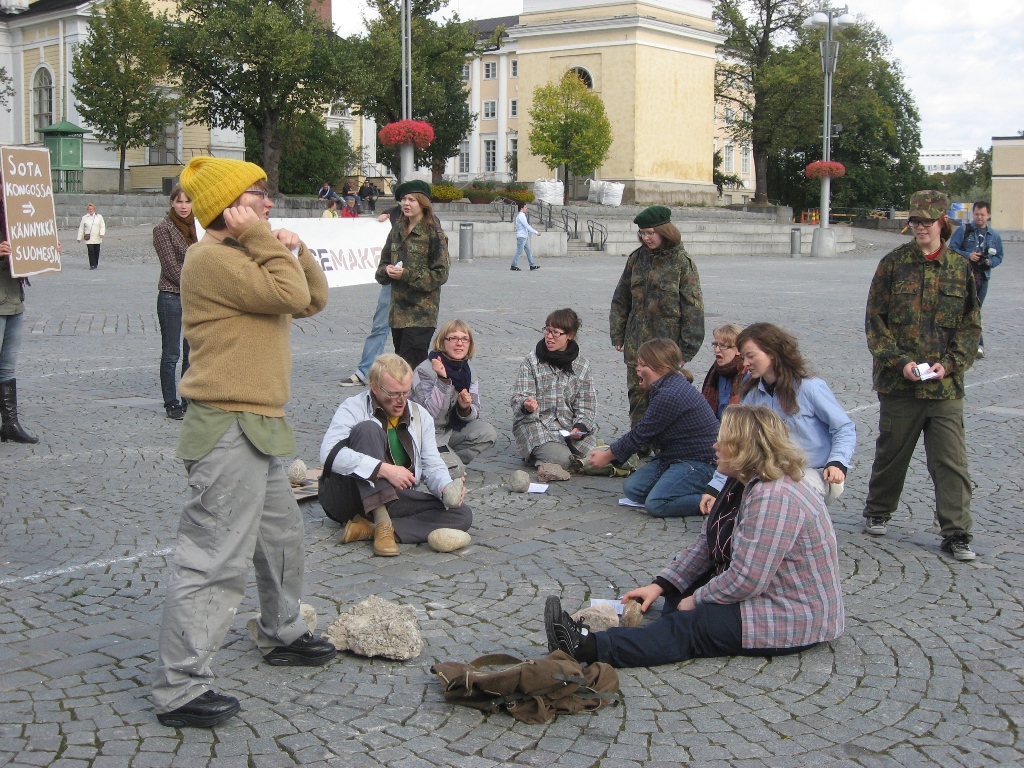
340,109
513,108
42,99
165,151
464,157
745,160
490,70
465,73
490,110
490,155
514,68
730,115
513,147
585,76
728,161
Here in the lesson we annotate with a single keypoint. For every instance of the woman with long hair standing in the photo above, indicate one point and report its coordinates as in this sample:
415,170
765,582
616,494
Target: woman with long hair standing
414,262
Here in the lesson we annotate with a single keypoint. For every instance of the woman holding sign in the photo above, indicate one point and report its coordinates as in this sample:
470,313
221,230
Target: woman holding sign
12,308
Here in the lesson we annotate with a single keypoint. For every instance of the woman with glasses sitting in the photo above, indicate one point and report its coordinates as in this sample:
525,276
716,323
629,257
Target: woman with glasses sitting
722,384
444,385
554,405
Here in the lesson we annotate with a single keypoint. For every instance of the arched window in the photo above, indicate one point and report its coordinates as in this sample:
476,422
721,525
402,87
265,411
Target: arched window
585,76
42,99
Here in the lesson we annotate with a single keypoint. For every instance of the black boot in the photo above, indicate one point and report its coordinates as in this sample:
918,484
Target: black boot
11,429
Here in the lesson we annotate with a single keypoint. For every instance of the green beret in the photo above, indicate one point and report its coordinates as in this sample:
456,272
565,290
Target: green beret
654,216
415,185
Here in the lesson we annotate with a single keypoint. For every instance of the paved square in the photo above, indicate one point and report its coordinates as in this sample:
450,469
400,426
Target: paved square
930,671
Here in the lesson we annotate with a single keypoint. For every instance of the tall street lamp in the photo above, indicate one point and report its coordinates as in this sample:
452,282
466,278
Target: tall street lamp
824,240
406,151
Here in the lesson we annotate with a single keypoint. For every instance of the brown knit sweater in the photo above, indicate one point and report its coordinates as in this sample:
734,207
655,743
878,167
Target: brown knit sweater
238,299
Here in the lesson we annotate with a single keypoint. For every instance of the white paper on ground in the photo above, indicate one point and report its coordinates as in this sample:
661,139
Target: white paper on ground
630,503
616,604
537,488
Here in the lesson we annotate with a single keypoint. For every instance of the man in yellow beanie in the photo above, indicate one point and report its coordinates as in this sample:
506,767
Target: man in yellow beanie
241,285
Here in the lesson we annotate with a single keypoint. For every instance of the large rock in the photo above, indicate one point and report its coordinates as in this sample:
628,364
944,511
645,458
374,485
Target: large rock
519,481
307,611
448,539
548,472
297,472
377,627
598,617
632,616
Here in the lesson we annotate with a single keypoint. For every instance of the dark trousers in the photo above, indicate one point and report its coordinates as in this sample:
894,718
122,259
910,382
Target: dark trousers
414,514
94,254
707,631
982,293
412,344
173,346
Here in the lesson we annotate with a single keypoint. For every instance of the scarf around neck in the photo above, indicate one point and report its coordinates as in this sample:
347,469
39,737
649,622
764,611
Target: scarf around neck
563,359
186,226
461,378
710,388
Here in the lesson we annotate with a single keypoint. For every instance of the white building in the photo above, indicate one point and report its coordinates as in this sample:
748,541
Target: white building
943,160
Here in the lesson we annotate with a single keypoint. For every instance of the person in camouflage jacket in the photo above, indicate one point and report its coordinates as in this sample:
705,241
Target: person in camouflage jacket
658,296
414,262
923,309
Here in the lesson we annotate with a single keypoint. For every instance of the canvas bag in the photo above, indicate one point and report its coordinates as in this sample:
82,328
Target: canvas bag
531,691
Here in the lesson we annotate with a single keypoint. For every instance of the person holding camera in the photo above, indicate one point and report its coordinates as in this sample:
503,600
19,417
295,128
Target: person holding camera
983,248
923,323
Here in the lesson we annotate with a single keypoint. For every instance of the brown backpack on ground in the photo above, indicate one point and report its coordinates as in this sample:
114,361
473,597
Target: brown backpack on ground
531,691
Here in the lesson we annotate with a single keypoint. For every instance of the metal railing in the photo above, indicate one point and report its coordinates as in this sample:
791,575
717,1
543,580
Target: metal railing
67,181
545,213
571,222
600,230
505,208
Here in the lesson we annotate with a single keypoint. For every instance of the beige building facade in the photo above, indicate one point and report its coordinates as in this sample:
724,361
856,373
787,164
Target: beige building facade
1008,182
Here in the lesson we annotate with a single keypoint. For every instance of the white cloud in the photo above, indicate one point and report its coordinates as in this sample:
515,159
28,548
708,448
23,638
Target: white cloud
963,61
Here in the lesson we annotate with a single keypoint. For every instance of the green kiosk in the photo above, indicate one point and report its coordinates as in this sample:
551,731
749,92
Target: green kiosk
65,140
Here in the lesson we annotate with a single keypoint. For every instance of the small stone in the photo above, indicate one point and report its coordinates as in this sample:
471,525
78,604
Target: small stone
631,614
548,472
519,481
448,539
598,617
377,627
307,611
297,472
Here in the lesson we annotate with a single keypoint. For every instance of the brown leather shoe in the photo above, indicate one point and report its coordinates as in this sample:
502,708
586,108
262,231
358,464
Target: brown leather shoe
384,544
357,529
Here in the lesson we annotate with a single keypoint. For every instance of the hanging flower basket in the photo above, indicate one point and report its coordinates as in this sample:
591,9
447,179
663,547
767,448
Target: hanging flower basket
415,132
825,169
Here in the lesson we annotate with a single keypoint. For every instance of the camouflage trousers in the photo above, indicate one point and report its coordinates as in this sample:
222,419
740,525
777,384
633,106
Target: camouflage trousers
638,398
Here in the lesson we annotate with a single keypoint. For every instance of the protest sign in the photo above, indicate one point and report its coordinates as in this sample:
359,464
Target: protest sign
28,205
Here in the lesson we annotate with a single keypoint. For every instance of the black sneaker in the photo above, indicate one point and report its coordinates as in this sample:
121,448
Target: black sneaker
175,412
204,711
307,651
516,269
876,526
564,634
535,266
959,548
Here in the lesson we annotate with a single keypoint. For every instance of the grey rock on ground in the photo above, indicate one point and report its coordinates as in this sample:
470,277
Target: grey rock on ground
598,617
297,472
547,473
448,539
519,481
377,627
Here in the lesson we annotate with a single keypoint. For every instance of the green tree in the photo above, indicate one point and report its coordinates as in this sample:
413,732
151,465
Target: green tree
7,91
373,82
118,73
310,154
257,65
568,126
720,178
973,180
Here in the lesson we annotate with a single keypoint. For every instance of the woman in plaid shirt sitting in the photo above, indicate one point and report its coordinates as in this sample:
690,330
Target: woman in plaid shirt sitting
762,579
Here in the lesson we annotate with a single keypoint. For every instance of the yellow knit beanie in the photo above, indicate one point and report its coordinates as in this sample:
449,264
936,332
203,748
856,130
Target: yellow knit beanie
214,184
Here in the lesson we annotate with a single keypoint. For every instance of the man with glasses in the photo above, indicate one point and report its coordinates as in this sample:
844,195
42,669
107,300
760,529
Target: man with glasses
383,476
983,248
241,285
923,322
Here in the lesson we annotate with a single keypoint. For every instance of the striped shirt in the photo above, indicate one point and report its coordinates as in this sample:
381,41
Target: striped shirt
784,571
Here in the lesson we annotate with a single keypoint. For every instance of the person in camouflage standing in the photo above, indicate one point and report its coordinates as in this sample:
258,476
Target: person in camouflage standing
414,262
923,318
658,296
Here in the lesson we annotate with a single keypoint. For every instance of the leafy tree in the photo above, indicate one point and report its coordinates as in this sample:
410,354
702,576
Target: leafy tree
373,81
258,65
569,126
722,179
7,91
118,71
310,154
973,180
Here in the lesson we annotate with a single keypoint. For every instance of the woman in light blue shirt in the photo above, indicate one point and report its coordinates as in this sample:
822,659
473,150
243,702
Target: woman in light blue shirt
778,377
523,232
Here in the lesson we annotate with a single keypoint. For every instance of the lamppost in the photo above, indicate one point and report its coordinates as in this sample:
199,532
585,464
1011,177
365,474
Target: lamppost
823,243
406,151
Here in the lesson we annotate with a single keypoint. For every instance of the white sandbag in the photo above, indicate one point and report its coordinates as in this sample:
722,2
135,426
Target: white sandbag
594,188
611,193
550,192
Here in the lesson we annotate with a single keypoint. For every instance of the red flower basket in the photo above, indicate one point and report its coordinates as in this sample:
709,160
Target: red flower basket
825,169
415,132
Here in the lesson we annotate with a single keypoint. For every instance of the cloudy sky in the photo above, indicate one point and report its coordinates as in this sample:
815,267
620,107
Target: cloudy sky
963,60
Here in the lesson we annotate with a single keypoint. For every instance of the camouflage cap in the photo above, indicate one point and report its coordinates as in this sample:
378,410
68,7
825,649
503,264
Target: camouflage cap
928,204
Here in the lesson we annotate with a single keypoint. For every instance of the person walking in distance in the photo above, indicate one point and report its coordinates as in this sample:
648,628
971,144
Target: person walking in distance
523,232
983,248
241,286
92,229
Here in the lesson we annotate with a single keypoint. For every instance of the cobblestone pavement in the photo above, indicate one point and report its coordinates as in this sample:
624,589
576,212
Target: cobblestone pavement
930,671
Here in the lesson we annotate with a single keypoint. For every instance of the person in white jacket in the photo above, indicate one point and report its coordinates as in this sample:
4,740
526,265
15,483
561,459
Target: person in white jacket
92,229
523,232
381,464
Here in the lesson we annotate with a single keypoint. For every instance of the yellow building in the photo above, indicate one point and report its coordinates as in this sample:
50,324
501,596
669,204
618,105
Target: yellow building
1008,182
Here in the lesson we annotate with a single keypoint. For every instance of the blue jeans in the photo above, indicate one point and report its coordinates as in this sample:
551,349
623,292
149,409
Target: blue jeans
675,492
10,343
173,346
374,344
523,244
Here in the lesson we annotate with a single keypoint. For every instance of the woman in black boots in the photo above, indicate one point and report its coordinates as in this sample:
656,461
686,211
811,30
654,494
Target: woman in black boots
12,308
